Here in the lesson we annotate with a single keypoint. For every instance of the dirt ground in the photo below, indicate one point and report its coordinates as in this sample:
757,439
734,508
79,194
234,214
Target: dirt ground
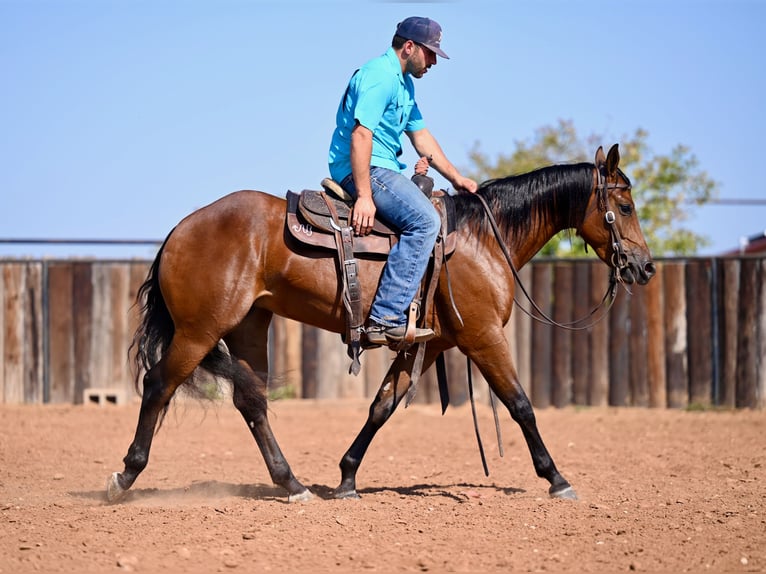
659,491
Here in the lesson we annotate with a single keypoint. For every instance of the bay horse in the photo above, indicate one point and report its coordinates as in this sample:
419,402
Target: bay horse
227,268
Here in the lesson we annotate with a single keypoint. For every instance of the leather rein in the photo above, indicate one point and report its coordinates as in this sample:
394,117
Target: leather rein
618,260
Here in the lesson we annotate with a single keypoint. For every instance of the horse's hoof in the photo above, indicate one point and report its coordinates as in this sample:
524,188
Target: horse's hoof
566,493
304,496
114,492
347,495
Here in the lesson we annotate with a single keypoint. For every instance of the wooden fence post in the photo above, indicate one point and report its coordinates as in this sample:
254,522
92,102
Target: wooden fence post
619,355
119,280
728,295
581,371
60,333
638,345
285,355
542,337
13,350
675,334
522,330
33,333
658,396
699,329
82,311
747,331
309,359
598,391
561,359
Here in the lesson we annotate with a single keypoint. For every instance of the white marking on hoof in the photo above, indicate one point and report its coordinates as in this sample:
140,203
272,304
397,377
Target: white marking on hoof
304,496
114,492
567,494
348,495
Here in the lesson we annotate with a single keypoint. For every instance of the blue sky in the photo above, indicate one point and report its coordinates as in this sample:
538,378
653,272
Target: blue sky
118,118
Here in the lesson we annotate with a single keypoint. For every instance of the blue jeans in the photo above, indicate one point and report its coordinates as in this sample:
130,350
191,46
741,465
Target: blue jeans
402,206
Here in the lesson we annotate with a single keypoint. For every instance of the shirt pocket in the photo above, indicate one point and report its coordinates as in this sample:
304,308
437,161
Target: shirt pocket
403,107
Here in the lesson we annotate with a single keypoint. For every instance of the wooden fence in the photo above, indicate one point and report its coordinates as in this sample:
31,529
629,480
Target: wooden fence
694,336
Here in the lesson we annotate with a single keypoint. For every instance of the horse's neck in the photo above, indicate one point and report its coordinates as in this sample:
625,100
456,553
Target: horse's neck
525,245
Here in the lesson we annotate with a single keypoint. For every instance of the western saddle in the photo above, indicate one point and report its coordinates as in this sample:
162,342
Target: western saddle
320,219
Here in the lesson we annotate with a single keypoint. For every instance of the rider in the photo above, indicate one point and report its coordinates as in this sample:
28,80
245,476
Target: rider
377,107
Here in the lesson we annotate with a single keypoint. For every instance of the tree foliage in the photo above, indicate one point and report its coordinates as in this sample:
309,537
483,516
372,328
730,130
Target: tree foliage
666,188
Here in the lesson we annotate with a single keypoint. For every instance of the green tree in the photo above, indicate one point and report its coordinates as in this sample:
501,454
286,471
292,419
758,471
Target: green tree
665,187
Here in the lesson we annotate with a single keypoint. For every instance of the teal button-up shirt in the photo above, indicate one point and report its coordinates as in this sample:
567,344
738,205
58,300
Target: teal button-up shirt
382,99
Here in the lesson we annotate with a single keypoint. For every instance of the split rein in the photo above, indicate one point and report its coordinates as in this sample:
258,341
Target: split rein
618,263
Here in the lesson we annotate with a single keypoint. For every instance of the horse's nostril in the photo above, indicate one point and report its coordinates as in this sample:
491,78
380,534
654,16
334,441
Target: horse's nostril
650,269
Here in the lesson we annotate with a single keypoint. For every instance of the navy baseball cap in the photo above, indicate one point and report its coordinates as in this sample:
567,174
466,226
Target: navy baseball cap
422,31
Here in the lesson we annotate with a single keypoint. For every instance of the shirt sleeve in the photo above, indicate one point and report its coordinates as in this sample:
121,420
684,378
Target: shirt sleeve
373,95
416,122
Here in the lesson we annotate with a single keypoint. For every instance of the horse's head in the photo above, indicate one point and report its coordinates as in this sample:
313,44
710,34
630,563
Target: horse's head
611,225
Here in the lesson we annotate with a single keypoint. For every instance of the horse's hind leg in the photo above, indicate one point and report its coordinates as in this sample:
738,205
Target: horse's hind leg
392,391
160,383
248,347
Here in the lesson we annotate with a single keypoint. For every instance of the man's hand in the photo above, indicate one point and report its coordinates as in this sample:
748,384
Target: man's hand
421,167
464,184
363,215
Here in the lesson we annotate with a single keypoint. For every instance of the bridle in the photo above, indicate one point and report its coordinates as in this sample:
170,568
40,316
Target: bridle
618,261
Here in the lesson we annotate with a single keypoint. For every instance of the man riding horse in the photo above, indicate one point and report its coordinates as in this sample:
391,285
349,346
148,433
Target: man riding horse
377,107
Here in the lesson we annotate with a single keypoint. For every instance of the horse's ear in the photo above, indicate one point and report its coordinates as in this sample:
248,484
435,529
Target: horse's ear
600,157
613,159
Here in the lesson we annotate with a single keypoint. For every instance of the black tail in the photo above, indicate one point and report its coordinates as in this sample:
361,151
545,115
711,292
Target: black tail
156,330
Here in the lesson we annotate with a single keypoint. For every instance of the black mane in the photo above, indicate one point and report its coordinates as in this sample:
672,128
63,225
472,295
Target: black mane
517,200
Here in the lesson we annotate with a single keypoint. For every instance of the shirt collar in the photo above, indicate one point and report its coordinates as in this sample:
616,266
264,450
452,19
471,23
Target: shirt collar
393,60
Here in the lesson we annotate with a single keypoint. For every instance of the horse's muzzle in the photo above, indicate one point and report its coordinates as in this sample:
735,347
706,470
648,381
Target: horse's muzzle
638,271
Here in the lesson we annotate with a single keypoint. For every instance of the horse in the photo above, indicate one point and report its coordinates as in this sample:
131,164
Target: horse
227,268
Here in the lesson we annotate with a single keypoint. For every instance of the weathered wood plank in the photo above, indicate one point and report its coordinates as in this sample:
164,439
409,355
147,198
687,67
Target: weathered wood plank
699,327
619,356
542,336
33,333
13,348
101,328
638,347
119,279
675,334
309,361
729,315
60,333
285,356
747,333
561,359
581,339
598,390
521,350
655,303
82,310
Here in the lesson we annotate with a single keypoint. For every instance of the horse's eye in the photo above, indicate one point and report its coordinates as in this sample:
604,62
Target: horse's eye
626,208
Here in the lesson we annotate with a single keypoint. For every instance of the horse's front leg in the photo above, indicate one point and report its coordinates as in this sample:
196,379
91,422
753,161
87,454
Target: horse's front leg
496,365
394,388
